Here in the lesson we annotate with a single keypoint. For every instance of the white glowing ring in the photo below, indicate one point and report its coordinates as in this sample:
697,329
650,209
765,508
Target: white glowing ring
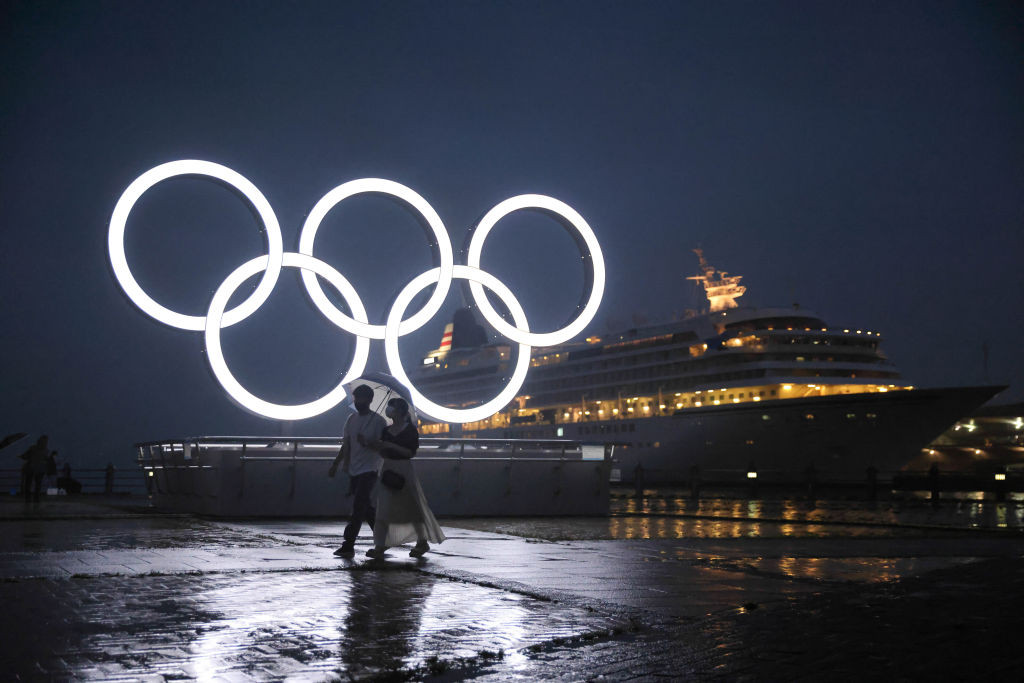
424,405
119,262
215,354
410,197
476,245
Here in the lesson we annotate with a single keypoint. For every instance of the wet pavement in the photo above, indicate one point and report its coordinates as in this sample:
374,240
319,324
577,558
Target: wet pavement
107,590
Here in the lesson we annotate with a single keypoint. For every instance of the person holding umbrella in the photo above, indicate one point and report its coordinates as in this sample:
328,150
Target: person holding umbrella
362,463
402,510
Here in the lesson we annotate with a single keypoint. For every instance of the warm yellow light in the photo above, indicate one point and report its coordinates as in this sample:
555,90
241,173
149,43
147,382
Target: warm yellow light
1000,476
757,398
787,387
697,403
586,412
615,411
751,475
680,405
565,415
646,408
883,389
630,409
661,406
735,400
717,402
601,411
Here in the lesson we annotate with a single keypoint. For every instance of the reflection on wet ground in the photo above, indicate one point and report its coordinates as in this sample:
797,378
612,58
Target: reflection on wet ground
359,624
174,597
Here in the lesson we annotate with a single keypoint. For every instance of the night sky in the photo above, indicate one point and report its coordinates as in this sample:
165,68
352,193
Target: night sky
865,160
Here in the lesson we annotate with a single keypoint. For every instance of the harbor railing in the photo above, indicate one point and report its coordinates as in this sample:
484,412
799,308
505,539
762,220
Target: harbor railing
287,476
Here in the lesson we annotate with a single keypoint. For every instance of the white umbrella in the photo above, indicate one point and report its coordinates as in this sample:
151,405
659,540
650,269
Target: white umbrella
385,387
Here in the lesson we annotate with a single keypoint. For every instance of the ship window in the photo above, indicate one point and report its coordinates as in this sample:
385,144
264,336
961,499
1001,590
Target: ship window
871,416
732,395
809,416
851,416
766,417
773,392
657,444
632,427
742,394
761,393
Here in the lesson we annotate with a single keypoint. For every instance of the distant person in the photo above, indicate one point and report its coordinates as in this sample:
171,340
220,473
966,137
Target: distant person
362,464
51,465
36,458
402,510
108,479
64,481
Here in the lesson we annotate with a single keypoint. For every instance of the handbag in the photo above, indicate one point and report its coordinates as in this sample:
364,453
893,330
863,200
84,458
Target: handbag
393,480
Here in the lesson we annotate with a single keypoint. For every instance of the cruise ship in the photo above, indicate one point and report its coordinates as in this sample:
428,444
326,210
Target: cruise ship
731,390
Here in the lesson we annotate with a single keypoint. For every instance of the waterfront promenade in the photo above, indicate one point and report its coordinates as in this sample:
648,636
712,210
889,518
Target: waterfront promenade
98,589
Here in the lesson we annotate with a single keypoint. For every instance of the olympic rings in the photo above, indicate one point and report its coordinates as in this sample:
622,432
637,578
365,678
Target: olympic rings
215,353
358,324
422,403
443,244
248,191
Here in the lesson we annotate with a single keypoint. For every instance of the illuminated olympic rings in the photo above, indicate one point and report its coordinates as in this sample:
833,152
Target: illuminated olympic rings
270,265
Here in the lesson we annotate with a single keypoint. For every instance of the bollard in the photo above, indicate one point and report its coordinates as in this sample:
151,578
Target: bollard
695,482
933,483
872,492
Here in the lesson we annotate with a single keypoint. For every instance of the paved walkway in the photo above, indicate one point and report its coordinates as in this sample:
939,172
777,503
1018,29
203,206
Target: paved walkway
97,593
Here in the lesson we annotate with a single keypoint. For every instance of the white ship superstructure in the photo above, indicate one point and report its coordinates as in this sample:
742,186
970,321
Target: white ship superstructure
734,387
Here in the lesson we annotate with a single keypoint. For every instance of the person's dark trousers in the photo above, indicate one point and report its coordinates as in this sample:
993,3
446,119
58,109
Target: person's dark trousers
32,485
362,506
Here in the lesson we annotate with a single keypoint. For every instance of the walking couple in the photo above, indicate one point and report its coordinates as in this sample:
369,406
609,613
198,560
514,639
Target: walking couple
371,450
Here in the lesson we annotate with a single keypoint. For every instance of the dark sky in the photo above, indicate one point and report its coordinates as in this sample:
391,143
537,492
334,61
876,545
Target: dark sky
863,159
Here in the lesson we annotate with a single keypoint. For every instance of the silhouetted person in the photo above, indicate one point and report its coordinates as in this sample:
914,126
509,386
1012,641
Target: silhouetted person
872,473
65,481
362,464
108,479
32,472
811,481
51,465
638,480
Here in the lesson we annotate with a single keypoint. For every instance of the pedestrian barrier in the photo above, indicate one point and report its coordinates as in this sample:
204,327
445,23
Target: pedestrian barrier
104,480
286,477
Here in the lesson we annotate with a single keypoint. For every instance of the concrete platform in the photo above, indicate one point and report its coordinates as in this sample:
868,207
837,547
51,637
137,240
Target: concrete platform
106,591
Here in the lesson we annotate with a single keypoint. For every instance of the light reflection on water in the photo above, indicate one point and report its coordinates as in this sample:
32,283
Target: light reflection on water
732,518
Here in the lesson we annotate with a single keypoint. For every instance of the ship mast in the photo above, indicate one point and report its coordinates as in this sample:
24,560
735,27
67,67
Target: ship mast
721,291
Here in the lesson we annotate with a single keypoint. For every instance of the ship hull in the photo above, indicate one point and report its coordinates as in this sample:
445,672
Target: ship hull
840,437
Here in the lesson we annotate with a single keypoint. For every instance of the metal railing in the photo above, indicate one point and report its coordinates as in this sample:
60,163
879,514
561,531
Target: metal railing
112,481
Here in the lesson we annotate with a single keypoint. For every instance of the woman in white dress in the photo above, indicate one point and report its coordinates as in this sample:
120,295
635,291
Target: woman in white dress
402,511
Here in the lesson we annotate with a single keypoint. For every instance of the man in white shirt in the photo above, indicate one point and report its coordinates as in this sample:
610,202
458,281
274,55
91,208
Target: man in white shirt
361,462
